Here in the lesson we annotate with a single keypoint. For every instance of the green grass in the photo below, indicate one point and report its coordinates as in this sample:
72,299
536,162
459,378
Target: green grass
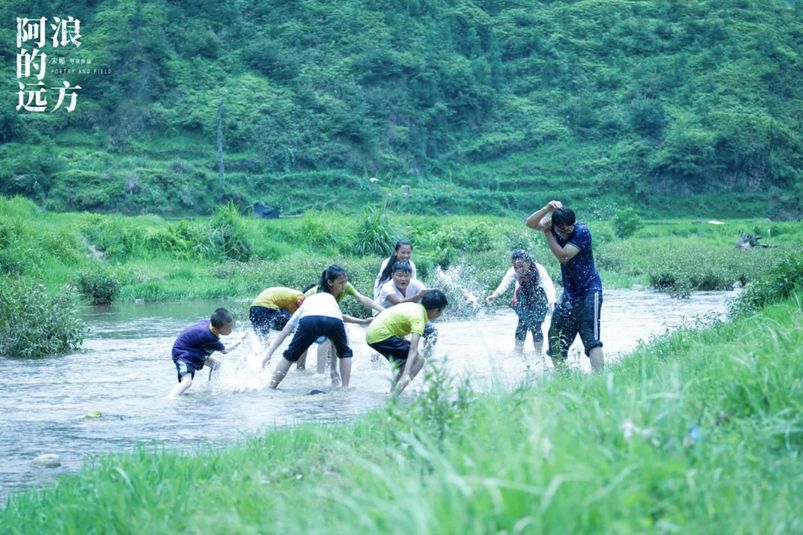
155,258
700,431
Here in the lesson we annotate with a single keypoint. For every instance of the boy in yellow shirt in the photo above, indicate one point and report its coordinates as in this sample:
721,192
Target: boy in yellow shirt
386,334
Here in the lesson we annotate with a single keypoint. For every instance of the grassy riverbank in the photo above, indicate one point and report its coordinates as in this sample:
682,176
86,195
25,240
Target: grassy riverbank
697,432
227,255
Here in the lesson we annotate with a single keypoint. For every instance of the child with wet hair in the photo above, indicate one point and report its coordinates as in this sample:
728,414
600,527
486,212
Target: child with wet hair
193,347
533,297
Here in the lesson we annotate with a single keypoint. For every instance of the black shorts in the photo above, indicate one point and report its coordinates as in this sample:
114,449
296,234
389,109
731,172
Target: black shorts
312,327
580,316
264,319
394,349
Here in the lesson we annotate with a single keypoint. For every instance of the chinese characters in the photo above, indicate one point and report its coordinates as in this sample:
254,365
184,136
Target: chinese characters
32,64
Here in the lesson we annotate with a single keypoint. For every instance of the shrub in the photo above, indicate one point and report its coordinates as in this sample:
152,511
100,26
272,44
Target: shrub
373,234
776,285
626,222
99,286
226,237
34,324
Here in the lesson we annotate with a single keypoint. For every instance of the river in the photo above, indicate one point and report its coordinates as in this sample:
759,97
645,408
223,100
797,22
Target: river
124,371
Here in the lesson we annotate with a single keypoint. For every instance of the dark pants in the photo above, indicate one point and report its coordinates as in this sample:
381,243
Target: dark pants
531,308
572,317
396,349
310,328
264,319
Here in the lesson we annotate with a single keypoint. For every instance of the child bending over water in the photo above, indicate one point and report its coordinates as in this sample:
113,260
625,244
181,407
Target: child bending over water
318,316
386,334
193,347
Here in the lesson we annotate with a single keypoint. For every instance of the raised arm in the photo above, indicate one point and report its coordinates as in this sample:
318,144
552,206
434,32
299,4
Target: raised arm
563,254
535,218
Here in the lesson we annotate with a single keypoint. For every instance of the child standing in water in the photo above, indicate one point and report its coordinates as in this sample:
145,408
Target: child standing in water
533,297
192,348
386,334
403,252
324,349
318,316
272,308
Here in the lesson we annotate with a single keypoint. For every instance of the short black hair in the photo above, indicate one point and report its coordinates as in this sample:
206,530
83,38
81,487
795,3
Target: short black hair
563,217
434,299
401,266
221,317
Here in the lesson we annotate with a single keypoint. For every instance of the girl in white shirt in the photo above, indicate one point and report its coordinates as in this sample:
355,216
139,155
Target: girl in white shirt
319,316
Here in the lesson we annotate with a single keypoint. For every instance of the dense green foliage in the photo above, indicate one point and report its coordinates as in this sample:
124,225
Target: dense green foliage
778,284
157,259
690,107
698,432
35,324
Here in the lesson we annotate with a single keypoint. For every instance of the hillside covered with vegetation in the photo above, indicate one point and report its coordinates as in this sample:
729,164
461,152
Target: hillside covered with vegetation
476,105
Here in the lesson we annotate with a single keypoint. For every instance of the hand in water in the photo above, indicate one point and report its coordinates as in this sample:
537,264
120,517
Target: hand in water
266,361
491,299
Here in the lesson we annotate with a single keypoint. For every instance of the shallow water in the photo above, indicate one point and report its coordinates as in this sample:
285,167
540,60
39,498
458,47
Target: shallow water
124,370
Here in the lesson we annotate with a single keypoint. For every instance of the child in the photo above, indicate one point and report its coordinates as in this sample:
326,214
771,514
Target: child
533,297
386,334
272,308
192,348
402,287
403,252
318,316
349,289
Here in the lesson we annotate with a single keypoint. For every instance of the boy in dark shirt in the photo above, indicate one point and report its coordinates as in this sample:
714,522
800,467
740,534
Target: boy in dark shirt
579,309
192,348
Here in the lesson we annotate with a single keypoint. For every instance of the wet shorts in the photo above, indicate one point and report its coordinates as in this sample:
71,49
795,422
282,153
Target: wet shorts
580,316
264,319
183,368
310,328
394,349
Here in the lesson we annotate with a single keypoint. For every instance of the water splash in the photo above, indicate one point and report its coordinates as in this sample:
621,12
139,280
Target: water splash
455,281
241,370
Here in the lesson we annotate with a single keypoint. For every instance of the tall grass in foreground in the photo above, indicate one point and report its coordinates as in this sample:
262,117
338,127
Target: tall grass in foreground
698,432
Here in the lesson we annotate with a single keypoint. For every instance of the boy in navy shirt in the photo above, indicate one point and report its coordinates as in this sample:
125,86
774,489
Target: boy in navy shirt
192,348
579,309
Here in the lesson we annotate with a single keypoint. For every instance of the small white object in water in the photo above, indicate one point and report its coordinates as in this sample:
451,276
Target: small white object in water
48,460
373,180
715,222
